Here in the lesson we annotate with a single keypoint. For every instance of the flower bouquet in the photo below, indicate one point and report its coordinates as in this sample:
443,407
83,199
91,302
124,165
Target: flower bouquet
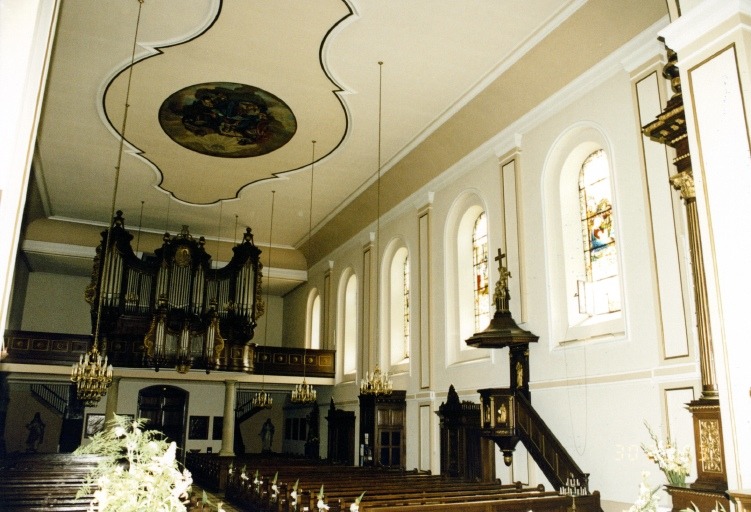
648,499
673,461
138,471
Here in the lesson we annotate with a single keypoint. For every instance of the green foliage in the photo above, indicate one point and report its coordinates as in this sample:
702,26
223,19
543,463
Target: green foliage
138,471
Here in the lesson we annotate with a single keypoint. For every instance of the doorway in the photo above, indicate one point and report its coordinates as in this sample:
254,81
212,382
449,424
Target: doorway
165,409
341,436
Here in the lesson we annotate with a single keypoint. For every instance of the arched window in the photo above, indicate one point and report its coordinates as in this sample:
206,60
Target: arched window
349,325
599,292
314,321
399,314
581,238
467,234
480,272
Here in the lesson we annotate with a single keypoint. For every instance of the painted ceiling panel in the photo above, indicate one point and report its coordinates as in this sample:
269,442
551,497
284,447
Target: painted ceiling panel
321,59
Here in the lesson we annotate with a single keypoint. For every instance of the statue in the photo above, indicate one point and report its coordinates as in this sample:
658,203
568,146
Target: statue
36,433
519,375
502,414
267,436
501,295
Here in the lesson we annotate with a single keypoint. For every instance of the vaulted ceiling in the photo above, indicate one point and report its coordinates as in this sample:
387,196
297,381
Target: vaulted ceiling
226,98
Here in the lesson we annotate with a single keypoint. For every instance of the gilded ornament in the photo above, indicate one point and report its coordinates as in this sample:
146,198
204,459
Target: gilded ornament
710,446
684,182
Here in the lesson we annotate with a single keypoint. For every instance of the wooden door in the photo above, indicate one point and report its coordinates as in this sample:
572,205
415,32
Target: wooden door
389,447
165,409
341,436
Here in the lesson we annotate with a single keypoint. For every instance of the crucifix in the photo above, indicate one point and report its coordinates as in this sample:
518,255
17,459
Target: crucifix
501,295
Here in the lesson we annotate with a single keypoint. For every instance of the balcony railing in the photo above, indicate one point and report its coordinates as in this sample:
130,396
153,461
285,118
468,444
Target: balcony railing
47,348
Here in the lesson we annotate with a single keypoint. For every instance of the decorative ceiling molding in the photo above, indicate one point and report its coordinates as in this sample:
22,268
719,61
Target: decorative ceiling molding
247,52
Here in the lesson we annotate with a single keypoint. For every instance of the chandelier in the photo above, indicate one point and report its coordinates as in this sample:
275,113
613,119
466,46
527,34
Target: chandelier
91,374
304,393
376,383
262,399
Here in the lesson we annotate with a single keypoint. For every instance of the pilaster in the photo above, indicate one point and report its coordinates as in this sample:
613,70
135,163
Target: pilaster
713,44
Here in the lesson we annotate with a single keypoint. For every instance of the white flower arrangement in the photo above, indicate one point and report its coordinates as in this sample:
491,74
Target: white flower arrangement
274,487
355,507
648,499
673,461
293,495
138,471
321,504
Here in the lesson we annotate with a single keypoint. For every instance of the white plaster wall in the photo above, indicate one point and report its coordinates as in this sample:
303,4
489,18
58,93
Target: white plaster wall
204,399
594,395
55,303
272,337
21,409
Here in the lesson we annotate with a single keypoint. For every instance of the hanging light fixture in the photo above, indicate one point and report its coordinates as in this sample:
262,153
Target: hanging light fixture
91,374
262,399
378,383
304,393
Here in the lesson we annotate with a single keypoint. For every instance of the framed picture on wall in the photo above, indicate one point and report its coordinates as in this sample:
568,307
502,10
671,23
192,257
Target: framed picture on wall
216,428
93,425
198,427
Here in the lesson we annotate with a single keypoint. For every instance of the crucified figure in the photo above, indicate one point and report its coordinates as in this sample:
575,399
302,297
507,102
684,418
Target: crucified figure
501,295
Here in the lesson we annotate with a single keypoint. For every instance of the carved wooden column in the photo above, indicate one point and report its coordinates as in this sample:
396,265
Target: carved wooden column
670,129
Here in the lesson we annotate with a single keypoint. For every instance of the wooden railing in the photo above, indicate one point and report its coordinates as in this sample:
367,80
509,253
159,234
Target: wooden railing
555,462
48,348
54,395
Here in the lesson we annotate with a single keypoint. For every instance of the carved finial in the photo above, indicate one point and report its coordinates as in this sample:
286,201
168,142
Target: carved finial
671,72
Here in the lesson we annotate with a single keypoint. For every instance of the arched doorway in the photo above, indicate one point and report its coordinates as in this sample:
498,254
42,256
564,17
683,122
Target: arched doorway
165,409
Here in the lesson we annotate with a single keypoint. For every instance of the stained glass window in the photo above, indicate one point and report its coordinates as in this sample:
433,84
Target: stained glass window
405,294
480,272
399,306
600,292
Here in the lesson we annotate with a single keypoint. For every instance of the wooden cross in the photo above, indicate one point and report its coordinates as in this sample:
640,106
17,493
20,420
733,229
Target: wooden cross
499,257
503,272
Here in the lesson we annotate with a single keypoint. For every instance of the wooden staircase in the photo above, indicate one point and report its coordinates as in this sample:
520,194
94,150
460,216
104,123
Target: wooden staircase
54,396
552,458
509,418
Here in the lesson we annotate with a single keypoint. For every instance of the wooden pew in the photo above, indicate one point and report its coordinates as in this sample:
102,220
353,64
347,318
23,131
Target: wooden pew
385,490
44,482
550,502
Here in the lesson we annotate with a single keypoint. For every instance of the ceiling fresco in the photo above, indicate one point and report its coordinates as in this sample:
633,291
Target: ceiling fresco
227,120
